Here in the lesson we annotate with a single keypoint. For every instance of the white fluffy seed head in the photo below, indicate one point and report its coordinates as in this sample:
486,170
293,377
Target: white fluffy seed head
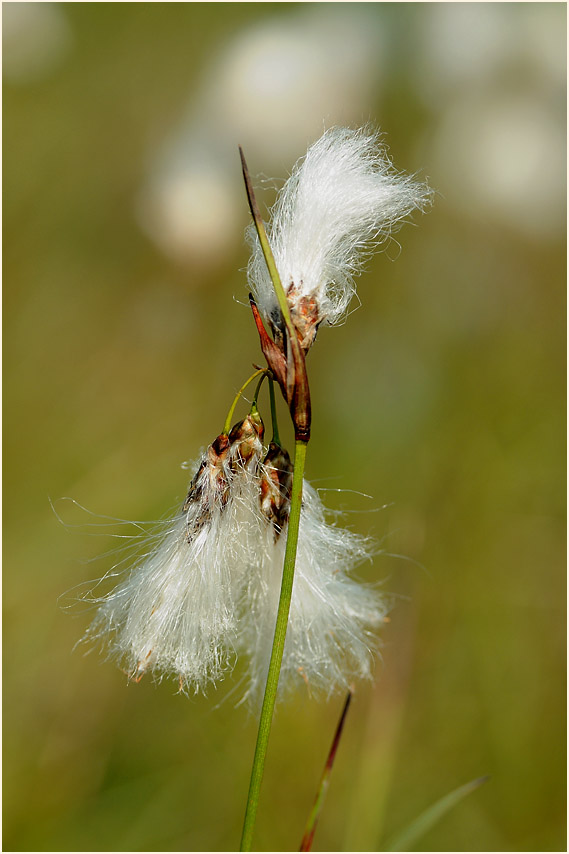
333,621
342,198
177,612
209,589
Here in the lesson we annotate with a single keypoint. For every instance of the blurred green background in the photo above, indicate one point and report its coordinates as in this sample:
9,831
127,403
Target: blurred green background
443,398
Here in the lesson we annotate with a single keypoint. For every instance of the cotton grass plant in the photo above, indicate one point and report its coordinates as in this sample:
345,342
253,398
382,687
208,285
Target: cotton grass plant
252,566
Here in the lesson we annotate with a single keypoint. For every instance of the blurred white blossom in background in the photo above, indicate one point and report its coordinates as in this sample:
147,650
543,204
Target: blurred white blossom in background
492,75
504,162
474,45
36,38
272,90
496,83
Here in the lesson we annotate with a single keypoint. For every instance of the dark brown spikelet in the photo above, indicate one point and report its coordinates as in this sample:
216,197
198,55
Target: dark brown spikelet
210,479
276,485
225,457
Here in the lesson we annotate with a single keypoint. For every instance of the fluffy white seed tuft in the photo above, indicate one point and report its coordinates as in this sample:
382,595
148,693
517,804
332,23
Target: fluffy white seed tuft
342,198
209,589
333,621
177,612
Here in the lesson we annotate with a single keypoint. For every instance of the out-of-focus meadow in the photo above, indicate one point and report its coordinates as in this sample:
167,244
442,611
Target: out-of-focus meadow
442,397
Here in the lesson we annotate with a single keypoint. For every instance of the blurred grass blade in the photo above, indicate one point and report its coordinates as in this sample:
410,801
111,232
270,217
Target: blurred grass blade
424,822
306,844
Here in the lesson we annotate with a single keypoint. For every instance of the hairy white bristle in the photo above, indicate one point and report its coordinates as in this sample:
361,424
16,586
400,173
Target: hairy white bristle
333,621
342,198
208,591
177,612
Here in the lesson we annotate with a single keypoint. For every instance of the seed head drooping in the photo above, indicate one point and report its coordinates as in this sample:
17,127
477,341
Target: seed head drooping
177,612
343,198
333,620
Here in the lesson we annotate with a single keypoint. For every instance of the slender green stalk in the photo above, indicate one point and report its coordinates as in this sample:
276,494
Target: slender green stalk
227,425
278,648
257,390
306,844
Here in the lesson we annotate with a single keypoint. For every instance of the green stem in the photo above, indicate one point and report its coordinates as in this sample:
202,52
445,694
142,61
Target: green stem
257,390
227,425
276,437
278,648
